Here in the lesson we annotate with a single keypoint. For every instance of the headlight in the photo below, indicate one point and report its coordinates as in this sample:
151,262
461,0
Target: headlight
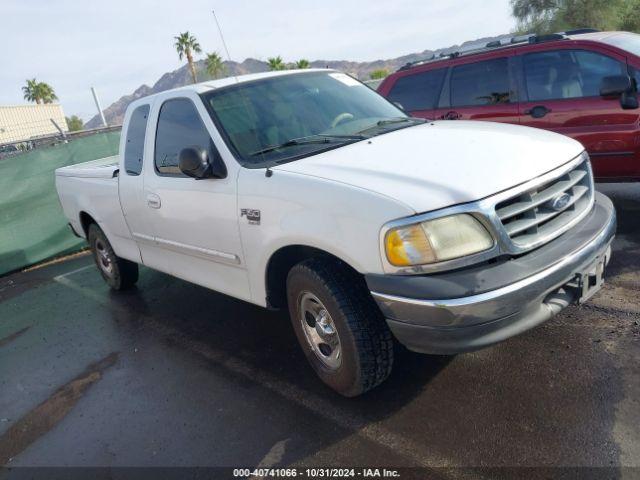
436,240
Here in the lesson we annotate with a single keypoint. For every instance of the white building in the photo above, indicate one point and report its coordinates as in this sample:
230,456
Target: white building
24,122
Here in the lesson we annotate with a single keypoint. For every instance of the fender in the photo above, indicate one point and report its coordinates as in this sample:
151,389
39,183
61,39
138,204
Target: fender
298,209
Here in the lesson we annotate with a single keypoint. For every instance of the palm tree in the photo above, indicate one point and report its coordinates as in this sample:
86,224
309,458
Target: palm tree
276,63
303,63
46,92
186,45
214,64
30,91
39,92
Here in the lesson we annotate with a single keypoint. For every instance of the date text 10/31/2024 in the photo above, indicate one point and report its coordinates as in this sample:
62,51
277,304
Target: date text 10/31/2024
316,473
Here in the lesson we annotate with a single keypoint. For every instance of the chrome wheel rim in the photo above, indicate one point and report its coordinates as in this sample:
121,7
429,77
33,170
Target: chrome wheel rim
102,258
320,330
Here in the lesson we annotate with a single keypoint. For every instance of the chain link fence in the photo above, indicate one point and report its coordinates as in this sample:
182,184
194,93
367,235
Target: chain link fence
12,147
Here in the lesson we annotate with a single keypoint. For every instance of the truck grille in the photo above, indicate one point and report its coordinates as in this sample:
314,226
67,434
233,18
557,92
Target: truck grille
542,213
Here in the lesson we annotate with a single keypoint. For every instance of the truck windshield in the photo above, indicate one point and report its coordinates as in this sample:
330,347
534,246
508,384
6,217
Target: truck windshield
626,41
280,119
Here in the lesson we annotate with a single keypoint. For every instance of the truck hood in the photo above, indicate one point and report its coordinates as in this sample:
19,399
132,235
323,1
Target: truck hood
439,164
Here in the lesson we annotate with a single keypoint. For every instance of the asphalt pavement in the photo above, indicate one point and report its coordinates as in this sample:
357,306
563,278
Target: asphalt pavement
172,374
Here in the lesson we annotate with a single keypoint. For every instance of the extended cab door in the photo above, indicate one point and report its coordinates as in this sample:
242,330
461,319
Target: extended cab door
476,89
195,222
133,147
562,94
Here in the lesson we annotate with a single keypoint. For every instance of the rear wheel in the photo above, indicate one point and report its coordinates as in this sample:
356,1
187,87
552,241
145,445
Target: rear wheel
340,328
119,273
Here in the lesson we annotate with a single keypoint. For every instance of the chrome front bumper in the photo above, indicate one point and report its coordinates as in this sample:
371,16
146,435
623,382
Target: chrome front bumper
454,325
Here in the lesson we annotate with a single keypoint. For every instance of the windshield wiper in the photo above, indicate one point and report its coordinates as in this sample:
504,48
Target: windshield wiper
390,121
311,139
393,121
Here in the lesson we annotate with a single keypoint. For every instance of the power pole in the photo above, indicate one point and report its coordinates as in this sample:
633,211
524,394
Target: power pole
95,99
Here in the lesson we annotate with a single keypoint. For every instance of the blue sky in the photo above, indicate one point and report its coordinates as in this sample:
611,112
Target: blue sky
117,45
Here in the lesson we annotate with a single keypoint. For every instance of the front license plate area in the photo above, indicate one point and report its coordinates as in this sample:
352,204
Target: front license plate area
588,283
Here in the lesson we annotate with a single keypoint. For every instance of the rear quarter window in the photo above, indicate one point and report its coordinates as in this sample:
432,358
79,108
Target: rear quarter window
419,91
134,147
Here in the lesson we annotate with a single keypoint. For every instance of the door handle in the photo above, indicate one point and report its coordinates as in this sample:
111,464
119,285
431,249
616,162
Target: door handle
538,111
153,200
451,116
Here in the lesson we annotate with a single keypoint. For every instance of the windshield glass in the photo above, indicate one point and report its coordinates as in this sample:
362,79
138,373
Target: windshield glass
626,41
284,118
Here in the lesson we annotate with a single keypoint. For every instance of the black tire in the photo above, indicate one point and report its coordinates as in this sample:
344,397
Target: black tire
120,274
365,341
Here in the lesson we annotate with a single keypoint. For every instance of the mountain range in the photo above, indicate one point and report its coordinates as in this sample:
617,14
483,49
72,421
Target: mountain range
114,113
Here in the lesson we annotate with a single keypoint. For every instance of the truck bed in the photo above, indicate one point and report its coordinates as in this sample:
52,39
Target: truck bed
90,190
102,168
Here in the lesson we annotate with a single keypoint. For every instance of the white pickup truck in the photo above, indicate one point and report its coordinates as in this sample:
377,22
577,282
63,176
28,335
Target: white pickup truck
307,190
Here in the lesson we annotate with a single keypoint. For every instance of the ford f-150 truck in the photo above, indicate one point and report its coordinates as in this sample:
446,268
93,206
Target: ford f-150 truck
309,191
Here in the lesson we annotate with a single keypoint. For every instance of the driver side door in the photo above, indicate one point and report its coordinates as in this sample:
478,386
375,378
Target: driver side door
195,222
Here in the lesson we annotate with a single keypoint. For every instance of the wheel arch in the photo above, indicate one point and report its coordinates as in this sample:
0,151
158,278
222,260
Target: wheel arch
282,261
86,219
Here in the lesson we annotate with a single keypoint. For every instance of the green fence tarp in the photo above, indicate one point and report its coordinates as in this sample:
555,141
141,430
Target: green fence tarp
33,227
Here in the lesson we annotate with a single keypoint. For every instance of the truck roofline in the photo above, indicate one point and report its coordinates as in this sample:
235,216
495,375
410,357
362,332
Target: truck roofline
207,86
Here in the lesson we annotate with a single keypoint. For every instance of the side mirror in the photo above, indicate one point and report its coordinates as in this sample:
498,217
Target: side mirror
615,85
194,162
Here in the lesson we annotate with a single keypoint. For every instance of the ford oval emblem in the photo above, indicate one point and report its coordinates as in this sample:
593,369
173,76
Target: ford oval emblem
560,202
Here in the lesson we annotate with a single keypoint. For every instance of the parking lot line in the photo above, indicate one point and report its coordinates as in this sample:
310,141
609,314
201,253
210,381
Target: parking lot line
72,272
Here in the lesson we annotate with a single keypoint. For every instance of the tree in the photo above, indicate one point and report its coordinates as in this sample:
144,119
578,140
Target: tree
74,123
215,65
30,91
379,74
547,16
46,92
276,63
186,45
38,92
630,16
302,64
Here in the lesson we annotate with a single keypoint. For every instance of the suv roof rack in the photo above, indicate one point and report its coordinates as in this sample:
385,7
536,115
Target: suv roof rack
580,31
500,43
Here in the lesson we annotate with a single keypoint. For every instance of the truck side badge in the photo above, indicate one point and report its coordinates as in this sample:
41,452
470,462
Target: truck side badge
253,216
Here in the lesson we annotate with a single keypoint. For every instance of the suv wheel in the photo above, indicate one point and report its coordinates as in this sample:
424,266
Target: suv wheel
339,326
119,273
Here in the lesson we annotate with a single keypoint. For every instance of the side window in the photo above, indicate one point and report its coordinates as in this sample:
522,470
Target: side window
564,74
481,83
419,91
179,126
134,148
593,67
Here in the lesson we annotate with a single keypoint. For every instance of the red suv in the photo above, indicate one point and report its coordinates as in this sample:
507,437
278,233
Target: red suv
581,83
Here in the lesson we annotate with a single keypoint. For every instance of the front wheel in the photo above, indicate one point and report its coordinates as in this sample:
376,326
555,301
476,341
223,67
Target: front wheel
119,273
340,328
